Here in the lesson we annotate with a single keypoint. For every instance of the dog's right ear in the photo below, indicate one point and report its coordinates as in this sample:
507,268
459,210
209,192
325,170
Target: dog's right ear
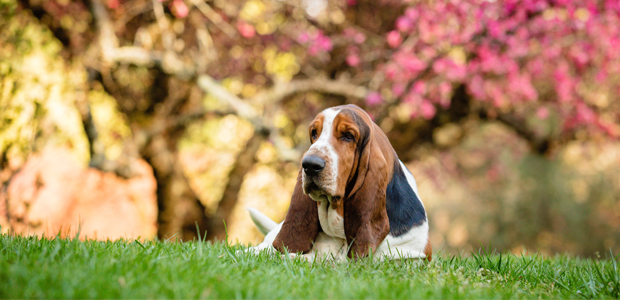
301,225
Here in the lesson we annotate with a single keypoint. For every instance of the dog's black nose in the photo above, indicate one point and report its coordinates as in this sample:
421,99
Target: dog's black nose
312,165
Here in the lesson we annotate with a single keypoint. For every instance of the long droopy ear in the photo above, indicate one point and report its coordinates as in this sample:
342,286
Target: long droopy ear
366,222
301,225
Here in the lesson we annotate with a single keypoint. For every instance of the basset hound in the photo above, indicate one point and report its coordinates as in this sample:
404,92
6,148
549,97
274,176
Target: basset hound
353,196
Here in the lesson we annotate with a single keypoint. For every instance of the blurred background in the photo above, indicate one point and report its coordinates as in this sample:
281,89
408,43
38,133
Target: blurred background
166,118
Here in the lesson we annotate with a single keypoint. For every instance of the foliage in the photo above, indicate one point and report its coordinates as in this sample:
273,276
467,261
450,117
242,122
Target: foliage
37,97
31,267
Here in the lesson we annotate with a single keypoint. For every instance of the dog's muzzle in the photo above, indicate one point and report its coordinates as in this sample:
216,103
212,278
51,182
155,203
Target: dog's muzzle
313,165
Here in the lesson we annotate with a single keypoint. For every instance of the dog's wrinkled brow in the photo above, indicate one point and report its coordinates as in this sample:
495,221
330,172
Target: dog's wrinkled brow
359,122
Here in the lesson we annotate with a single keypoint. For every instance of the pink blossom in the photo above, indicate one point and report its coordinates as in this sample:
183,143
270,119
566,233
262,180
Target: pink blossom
527,88
413,99
113,4
394,39
440,65
579,57
427,109
601,76
608,129
324,42
317,42
373,98
403,24
495,29
476,87
585,115
536,66
359,38
456,72
246,30
419,88
563,84
398,89
391,70
353,60
542,113
412,14
410,63
428,52
303,38
179,8
444,94
498,96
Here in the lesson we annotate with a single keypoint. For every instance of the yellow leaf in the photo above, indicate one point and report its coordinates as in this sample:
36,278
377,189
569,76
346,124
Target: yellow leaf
252,10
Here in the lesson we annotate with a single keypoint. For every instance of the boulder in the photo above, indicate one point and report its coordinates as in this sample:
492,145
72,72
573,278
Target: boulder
54,194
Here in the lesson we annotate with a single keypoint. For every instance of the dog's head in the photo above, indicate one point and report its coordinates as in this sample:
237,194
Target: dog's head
339,136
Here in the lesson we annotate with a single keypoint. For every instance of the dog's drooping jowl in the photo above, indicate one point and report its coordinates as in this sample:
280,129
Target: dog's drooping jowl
353,196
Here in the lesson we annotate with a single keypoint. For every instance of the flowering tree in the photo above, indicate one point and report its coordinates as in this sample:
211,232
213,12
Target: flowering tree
549,58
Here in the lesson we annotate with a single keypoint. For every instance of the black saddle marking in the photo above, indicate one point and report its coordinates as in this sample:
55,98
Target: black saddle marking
404,208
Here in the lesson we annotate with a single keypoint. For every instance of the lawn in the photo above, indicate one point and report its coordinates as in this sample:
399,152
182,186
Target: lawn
32,267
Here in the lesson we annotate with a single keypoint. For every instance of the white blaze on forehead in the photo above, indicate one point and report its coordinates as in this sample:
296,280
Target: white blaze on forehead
323,146
328,121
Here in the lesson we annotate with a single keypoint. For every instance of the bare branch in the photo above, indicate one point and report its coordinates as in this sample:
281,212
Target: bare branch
107,38
182,120
538,143
285,153
215,18
243,110
321,85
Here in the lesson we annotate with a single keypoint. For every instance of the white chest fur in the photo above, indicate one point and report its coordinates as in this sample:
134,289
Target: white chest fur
331,222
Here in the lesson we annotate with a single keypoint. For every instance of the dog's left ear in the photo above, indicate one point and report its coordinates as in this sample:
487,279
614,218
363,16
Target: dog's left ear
366,221
301,225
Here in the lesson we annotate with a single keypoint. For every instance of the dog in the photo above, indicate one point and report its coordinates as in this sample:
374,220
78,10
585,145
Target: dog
353,197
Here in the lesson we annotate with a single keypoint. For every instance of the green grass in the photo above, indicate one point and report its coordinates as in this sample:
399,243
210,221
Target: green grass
31,267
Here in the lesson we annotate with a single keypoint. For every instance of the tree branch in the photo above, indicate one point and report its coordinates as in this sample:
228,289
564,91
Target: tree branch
215,18
241,108
320,85
539,144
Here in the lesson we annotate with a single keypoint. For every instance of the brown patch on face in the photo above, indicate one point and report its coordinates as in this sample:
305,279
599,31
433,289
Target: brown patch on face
345,140
316,127
370,136
312,185
428,250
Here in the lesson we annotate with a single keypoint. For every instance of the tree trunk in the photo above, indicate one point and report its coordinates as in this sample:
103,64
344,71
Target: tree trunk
243,164
181,214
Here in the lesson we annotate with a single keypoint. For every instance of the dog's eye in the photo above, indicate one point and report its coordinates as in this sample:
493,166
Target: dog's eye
313,134
348,137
